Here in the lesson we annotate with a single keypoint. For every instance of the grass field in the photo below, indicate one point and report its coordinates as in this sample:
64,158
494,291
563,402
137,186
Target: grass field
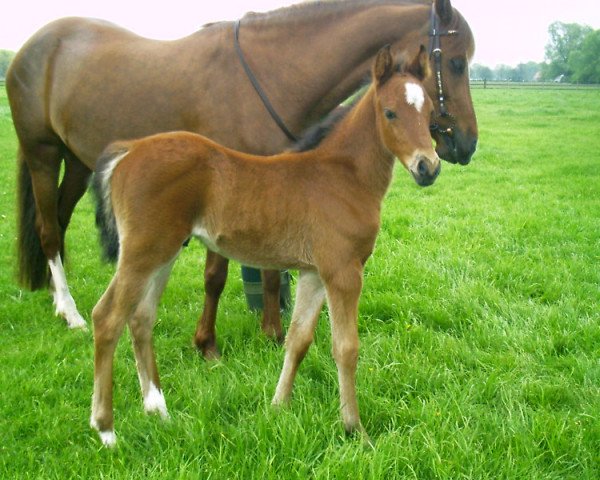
479,326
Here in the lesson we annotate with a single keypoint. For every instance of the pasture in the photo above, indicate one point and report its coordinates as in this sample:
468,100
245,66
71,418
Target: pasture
479,326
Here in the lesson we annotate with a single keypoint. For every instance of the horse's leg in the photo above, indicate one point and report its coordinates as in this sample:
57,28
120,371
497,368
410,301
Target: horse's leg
310,295
343,291
43,162
271,322
141,326
215,275
72,188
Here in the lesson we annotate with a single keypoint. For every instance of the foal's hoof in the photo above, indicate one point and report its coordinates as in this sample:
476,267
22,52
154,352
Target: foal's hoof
107,437
361,434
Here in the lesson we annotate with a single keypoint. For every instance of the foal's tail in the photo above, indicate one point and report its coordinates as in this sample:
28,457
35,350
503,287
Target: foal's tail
101,187
33,264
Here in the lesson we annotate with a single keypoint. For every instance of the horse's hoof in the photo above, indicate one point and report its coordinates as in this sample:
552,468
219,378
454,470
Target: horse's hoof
277,336
77,323
65,307
208,349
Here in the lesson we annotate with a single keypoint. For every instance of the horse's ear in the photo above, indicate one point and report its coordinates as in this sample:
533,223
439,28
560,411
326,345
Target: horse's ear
419,67
383,68
444,11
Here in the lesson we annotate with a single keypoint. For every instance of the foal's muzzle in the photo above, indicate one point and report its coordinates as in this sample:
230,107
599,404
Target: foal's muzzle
426,170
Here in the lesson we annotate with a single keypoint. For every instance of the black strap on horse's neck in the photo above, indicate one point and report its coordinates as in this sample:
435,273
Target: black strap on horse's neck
261,93
435,51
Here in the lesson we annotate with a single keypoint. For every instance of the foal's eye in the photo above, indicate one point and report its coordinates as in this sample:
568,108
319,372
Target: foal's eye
389,114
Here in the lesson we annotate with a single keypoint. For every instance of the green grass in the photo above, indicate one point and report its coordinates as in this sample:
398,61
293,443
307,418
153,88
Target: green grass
479,326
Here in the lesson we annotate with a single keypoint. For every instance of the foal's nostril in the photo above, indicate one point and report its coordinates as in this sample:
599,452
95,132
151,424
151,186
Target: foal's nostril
422,167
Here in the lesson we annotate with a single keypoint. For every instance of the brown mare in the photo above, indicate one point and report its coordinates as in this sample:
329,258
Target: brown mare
78,85
316,211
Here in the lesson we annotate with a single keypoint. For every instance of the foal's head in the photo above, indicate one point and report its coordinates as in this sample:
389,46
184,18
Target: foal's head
404,112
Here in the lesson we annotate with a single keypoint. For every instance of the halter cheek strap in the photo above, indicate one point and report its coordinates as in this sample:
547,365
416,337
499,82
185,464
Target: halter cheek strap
435,52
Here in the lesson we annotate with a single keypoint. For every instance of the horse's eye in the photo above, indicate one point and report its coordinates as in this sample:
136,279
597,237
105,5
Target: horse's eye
458,65
389,114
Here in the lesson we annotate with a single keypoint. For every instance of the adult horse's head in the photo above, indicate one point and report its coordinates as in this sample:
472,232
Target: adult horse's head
451,47
403,110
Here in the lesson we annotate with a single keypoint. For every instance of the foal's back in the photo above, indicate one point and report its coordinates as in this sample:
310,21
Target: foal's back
184,183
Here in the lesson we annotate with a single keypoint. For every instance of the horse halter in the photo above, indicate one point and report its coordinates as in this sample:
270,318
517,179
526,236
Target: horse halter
435,52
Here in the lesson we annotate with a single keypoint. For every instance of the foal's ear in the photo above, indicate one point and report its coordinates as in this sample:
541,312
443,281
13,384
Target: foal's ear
419,67
444,10
383,68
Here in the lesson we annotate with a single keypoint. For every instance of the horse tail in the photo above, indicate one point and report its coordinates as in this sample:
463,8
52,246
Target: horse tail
101,187
33,268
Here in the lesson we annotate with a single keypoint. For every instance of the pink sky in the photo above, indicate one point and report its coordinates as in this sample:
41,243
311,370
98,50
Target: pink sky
507,31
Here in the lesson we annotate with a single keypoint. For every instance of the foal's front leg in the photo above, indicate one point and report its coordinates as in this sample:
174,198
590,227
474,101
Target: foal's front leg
310,295
343,292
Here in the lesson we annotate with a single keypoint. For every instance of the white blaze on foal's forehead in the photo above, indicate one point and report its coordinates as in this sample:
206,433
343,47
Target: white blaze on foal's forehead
415,95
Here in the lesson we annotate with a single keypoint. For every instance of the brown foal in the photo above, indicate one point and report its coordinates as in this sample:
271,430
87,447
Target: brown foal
316,211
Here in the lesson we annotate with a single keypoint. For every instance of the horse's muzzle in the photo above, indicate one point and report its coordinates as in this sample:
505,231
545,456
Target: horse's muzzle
456,147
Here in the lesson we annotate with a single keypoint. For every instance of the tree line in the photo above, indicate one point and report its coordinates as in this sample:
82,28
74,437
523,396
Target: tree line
5,57
572,55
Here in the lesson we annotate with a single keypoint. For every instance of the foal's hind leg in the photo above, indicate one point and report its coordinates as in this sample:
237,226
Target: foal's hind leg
120,301
109,317
215,275
141,326
309,300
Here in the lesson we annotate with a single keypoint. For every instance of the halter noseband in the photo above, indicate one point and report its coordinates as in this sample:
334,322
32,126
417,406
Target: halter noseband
435,52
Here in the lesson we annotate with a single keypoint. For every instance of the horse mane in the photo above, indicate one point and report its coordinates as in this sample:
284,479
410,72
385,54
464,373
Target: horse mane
321,8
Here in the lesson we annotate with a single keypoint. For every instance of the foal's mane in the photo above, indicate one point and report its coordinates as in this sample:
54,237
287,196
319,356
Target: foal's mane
312,137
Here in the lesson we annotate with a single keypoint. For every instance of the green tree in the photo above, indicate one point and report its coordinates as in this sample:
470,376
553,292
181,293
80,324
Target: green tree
585,62
5,58
526,72
565,38
480,72
503,73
